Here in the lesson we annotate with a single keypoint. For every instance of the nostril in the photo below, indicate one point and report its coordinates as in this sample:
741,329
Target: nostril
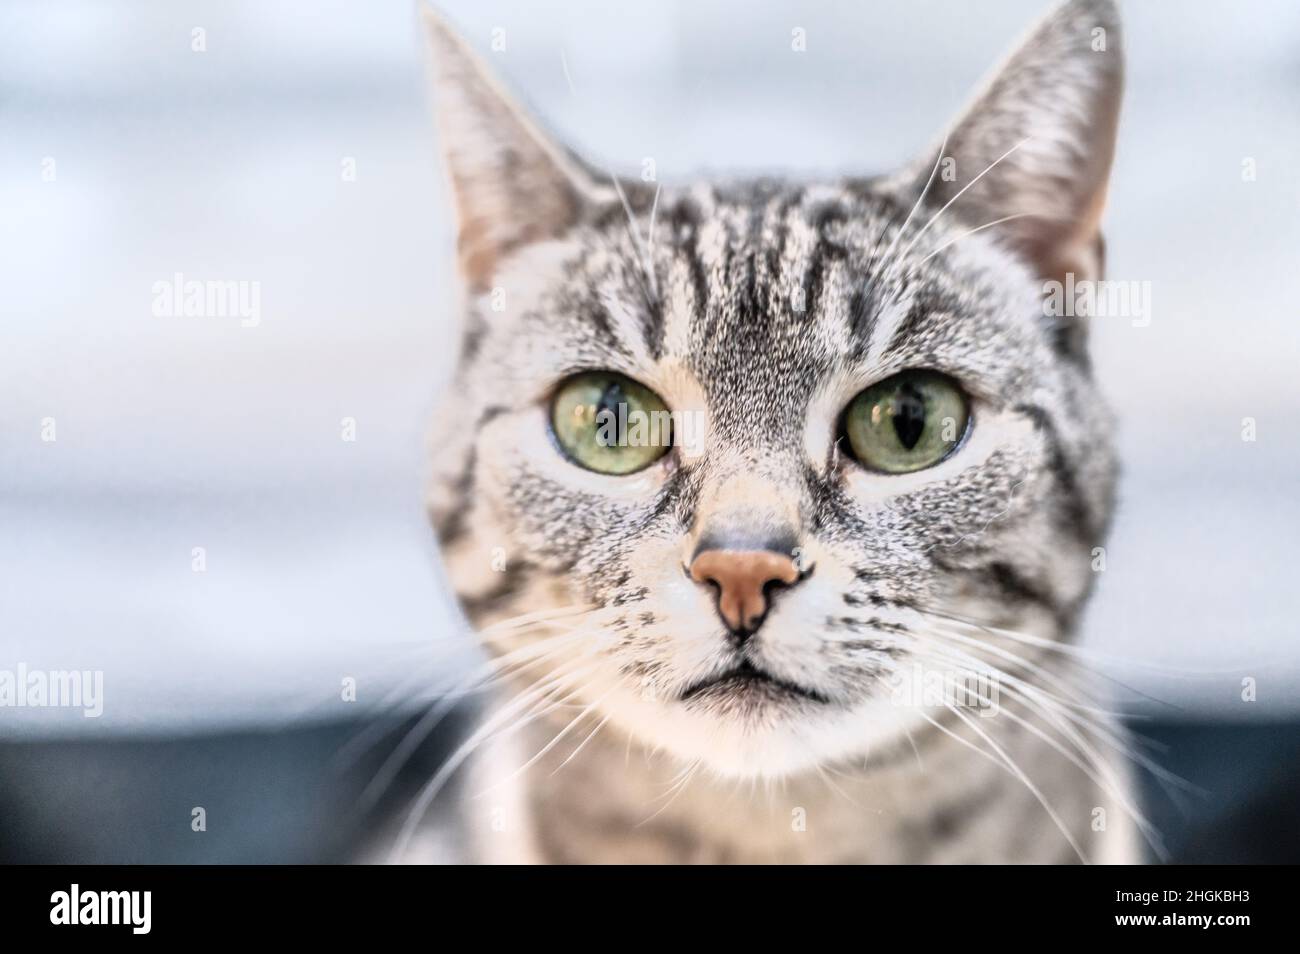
774,584
744,582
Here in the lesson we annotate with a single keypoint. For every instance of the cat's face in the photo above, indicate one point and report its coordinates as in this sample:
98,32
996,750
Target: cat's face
875,433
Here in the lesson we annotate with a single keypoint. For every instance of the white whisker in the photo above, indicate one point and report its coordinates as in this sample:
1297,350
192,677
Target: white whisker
887,259
1015,769
546,748
581,745
492,728
962,191
954,241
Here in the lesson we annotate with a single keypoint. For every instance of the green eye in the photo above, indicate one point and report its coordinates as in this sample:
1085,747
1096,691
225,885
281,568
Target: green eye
608,423
908,422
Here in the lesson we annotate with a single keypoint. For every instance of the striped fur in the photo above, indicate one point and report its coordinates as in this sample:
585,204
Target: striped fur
766,306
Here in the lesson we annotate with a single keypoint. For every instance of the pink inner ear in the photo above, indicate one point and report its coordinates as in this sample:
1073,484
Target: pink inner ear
512,184
1033,152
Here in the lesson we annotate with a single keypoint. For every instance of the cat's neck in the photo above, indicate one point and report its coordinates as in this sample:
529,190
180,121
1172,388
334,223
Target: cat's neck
934,801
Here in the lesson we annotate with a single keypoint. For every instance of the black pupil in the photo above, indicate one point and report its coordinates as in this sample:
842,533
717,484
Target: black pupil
907,409
611,398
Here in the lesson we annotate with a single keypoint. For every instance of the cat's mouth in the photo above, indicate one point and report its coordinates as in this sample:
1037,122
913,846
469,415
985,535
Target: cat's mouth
747,682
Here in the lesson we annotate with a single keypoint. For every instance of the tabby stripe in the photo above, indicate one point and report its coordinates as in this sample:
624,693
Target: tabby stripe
685,218
672,493
454,526
921,308
514,579
814,275
1078,519
949,819
1016,586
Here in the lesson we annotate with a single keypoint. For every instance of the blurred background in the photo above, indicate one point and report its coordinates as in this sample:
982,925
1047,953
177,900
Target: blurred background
201,530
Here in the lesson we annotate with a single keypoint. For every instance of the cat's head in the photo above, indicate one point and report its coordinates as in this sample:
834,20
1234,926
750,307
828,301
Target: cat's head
724,459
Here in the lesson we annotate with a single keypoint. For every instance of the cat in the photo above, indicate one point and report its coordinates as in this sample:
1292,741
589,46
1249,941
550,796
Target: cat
834,624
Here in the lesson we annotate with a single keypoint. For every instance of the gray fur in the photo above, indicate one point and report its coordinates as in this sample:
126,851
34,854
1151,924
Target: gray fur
768,305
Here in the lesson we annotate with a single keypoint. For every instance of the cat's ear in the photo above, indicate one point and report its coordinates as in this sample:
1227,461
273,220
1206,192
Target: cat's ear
1037,143
512,184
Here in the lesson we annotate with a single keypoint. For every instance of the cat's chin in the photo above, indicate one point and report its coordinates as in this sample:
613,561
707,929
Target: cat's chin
759,732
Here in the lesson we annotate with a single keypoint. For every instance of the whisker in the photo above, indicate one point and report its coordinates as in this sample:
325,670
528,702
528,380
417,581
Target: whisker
1090,762
1087,656
546,748
369,736
1098,721
1024,663
887,258
830,782
412,740
581,745
675,790
523,702
650,232
1011,498
962,191
986,225
1016,770
651,283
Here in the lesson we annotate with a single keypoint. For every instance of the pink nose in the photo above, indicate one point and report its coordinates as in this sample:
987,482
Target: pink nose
743,578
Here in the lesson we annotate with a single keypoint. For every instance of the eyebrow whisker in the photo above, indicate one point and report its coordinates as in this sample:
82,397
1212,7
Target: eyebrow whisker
986,225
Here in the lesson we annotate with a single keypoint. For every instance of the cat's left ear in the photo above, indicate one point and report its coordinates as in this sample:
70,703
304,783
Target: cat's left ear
1037,143
512,183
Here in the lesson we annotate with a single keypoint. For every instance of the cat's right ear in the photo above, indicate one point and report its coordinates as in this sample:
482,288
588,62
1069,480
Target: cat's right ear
512,184
1030,157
